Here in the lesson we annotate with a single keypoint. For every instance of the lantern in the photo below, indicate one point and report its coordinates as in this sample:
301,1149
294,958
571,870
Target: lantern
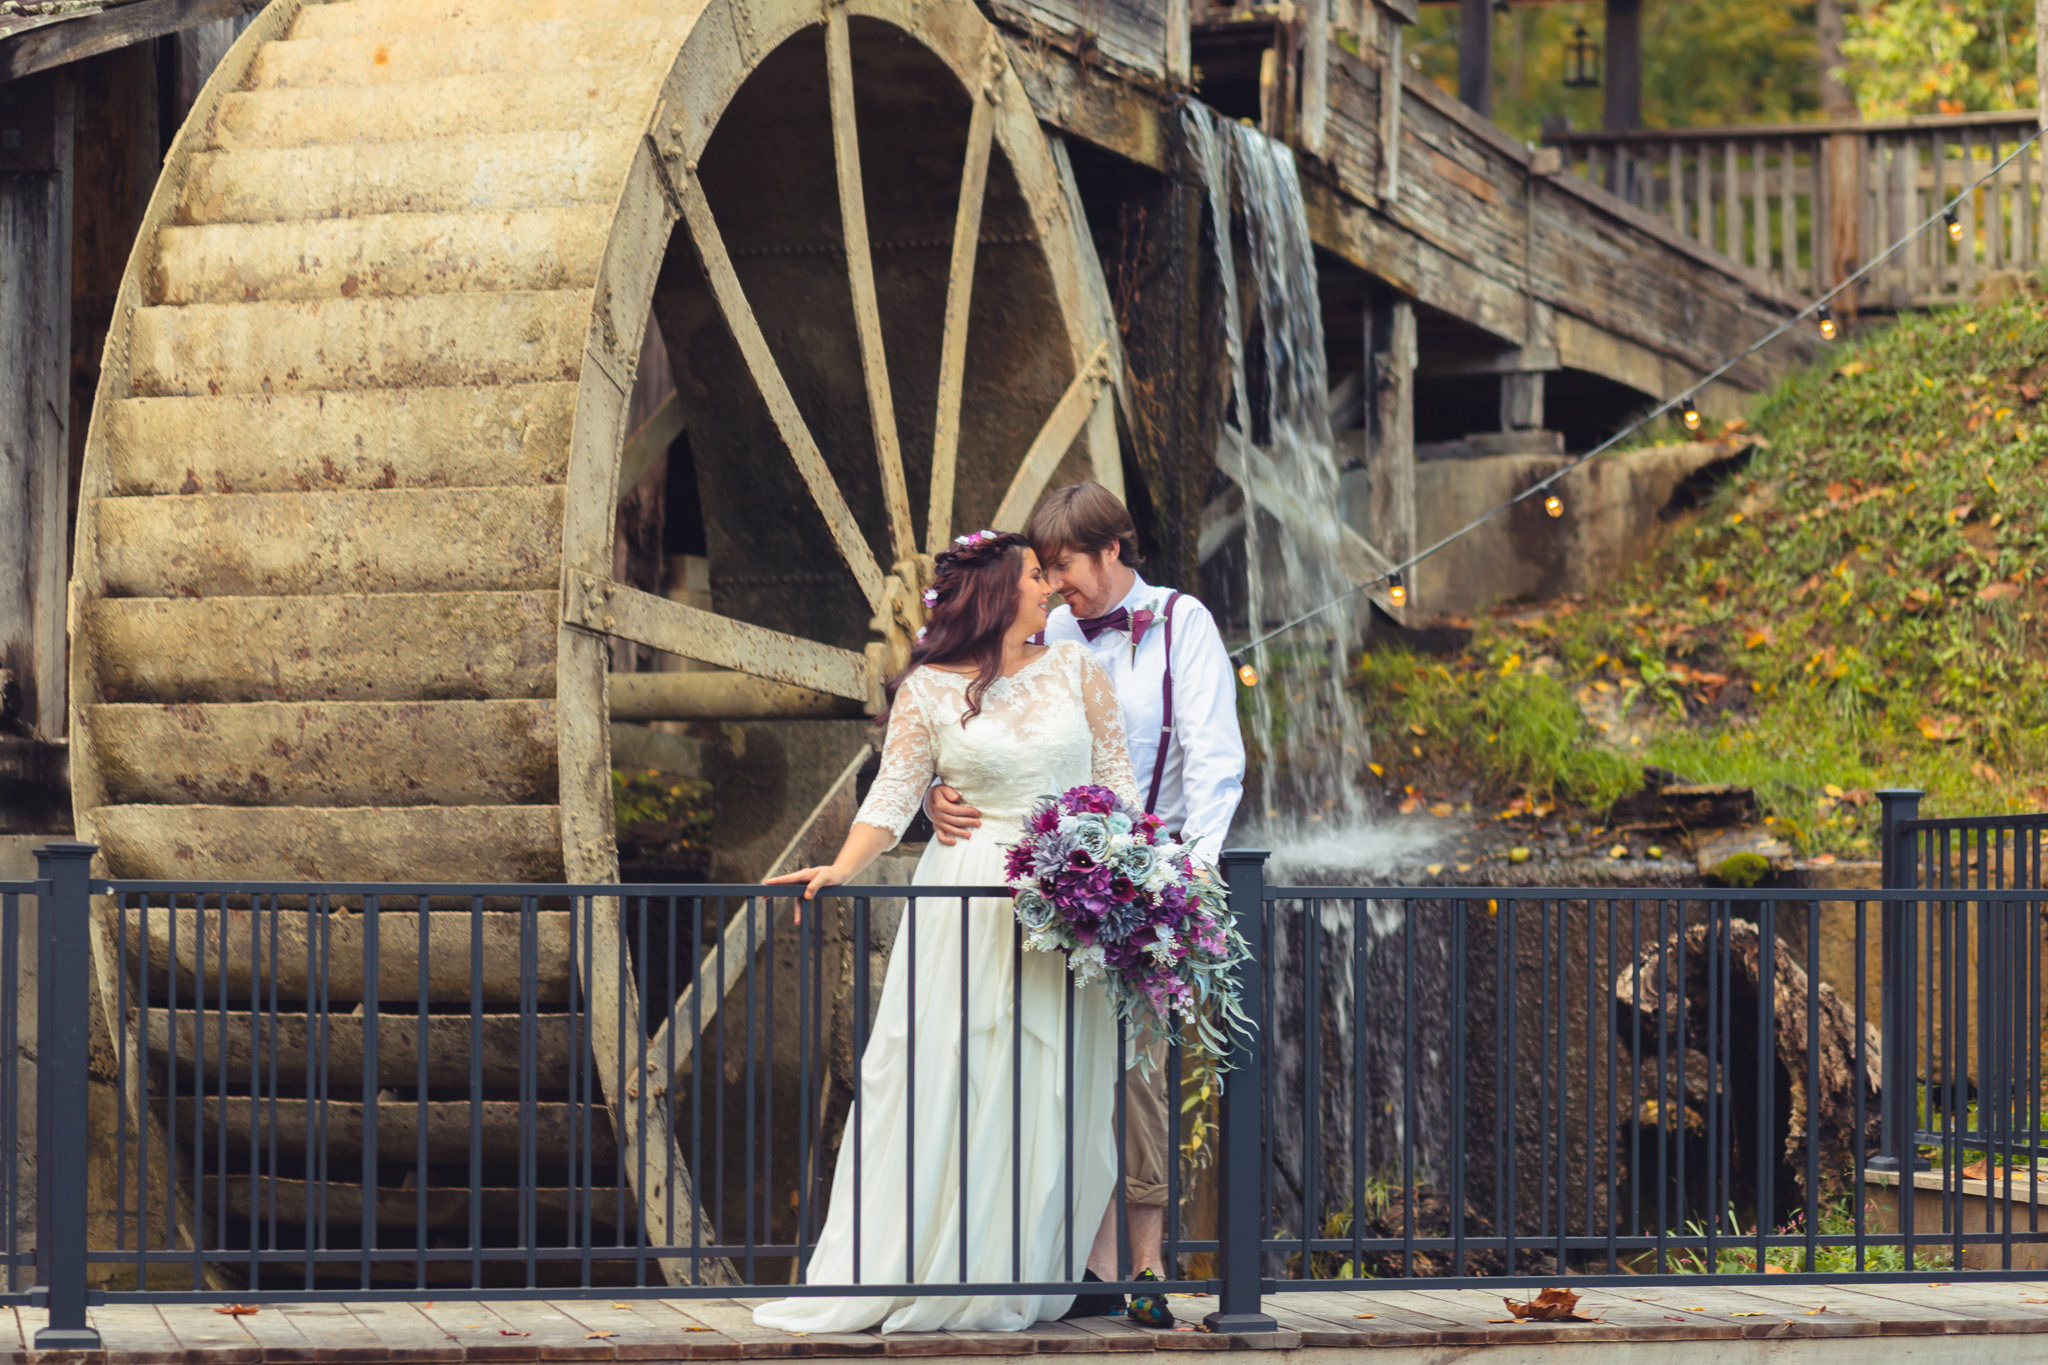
1581,61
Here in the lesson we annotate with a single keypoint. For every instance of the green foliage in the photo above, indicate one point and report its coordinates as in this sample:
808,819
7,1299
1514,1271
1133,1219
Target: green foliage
1704,62
1862,607
1742,869
1939,56
1520,727
647,797
1732,1257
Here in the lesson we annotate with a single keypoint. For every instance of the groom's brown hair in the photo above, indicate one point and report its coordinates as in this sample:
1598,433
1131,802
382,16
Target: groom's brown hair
1083,518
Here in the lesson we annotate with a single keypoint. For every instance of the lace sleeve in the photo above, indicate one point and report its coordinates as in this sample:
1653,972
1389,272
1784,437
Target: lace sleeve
1111,766
908,762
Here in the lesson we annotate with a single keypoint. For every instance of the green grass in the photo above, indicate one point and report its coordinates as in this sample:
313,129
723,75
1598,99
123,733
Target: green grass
1871,587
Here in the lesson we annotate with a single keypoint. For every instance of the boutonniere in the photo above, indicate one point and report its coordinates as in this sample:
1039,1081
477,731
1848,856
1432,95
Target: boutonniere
1141,620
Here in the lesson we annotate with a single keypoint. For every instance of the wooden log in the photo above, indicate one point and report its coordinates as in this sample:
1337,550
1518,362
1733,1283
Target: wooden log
552,1132
1825,1106
283,1048
237,952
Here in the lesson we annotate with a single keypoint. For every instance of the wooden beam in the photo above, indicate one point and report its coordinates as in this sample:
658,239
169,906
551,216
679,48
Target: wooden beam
1622,106
720,697
649,443
43,44
860,270
1052,442
782,408
1179,43
981,128
1315,77
1475,55
35,404
608,608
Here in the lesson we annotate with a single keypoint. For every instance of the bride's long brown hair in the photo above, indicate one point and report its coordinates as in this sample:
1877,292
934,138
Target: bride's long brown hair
977,603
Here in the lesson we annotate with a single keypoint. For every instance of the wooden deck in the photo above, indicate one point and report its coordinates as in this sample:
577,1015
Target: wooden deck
1961,1322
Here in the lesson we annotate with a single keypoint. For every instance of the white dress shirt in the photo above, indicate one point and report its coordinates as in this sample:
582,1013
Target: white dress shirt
1204,776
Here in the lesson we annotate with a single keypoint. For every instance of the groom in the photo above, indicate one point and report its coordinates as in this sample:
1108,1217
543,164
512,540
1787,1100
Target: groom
1179,698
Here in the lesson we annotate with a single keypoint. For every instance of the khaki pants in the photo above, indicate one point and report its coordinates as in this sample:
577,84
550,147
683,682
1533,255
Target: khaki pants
1145,1154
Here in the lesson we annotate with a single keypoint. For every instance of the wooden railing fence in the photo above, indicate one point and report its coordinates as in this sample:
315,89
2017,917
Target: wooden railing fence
1807,204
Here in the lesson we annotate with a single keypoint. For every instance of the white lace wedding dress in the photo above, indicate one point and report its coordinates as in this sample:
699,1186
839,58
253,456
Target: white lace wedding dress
1052,725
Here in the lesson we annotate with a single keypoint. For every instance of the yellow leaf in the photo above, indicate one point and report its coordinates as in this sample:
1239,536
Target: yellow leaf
1832,790
1618,851
1853,368
1518,854
1415,729
1440,809
1377,770
1434,869
1746,1315
1970,327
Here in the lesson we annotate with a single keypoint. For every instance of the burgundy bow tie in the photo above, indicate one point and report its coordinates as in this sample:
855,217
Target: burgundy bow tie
1120,619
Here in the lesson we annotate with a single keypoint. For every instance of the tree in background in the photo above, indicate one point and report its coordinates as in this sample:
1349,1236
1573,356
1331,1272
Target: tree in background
1705,62
1936,57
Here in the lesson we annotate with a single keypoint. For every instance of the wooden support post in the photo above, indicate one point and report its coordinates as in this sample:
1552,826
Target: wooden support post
1623,109
1521,401
1475,54
1315,77
1390,107
1180,58
1390,358
1845,217
2041,62
35,390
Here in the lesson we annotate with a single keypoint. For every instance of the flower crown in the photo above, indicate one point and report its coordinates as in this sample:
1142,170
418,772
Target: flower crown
966,542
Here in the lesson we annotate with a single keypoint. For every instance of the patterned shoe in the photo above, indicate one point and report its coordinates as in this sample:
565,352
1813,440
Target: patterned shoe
1150,1310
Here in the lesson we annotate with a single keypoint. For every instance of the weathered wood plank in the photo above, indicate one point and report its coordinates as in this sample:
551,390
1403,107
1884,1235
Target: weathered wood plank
1133,34
63,39
613,609
981,127
860,269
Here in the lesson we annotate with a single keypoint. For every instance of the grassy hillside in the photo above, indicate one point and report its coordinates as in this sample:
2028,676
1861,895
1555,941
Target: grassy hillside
1861,608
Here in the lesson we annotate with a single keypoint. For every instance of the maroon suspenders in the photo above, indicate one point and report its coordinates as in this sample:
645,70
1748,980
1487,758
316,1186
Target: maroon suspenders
1166,713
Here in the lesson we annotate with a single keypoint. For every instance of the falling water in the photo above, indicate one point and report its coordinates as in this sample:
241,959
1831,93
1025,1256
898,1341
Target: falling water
1276,443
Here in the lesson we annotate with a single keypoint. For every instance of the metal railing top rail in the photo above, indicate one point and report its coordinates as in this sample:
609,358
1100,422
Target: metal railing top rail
636,890
1670,894
1975,822
1988,118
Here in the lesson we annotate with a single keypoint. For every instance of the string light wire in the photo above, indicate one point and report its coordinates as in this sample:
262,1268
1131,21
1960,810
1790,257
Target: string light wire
1541,488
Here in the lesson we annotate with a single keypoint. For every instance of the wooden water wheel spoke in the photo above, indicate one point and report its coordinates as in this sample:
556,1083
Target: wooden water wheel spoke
981,129
860,270
1050,446
796,433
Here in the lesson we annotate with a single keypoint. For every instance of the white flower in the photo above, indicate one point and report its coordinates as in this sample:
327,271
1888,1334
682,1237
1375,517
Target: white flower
1087,964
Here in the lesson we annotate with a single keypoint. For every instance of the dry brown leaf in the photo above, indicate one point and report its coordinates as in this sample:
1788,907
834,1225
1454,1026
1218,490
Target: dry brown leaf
696,1329
598,1335
1998,592
508,1332
236,1310
2034,1300
1365,1315
1500,1319
1550,1305
1942,729
1811,1312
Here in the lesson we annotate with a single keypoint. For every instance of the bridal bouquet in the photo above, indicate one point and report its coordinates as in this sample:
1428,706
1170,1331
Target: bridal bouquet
1096,879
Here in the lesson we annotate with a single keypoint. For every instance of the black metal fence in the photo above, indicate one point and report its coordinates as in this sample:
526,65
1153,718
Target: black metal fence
403,1091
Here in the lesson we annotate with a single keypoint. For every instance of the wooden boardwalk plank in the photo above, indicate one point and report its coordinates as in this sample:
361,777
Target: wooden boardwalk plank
135,1334
482,1334
406,1332
206,1335
634,1334
734,1320
698,1340
332,1330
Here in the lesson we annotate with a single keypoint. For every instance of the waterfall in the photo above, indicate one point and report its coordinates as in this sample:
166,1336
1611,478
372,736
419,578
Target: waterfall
1277,445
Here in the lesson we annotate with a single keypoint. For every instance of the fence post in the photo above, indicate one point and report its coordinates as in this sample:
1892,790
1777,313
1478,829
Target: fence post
64,918
1241,1167
1897,992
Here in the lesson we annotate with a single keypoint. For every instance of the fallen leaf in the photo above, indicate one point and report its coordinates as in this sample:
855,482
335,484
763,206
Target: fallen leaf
1441,809
1434,869
601,1335
1813,1311
1987,772
1693,1310
1942,729
1618,851
1415,729
508,1332
2034,1300
1938,1284
1377,770
696,1329
1550,1305
1747,1315
1410,804
1999,591
236,1310
1500,1319
1364,1315
1654,1298
622,1305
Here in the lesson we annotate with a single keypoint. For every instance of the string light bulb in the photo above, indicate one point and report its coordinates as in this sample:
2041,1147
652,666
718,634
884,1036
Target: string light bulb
1554,505
1397,592
1691,416
1955,227
1827,322
1248,675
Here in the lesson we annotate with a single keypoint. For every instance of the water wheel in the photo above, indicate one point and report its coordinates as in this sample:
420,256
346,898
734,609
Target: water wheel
343,574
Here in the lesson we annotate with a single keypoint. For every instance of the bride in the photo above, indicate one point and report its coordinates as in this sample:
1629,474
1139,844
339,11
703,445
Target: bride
1005,722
